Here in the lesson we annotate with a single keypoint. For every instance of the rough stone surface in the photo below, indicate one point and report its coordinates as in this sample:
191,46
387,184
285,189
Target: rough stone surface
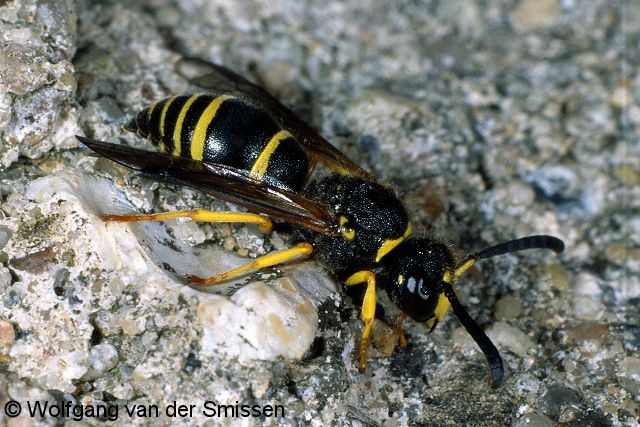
37,111
493,120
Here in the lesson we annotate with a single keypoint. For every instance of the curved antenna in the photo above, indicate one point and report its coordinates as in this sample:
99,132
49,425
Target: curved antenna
490,351
530,242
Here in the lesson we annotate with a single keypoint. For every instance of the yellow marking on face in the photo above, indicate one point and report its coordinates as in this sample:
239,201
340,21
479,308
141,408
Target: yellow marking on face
347,233
442,307
177,130
400,279
163,114
262,162
443,302
200,132
388,245
464,267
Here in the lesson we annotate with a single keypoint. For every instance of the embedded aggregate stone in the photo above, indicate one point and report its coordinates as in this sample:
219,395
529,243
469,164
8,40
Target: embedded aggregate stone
102,358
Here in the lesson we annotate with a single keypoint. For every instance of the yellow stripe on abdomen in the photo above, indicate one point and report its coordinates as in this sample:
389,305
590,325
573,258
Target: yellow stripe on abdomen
200,132
262,162
177,130
163,115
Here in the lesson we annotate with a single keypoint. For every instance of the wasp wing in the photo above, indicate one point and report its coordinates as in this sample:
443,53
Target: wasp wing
220,181
214,77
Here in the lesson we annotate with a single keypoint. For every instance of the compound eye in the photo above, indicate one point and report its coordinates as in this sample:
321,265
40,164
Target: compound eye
346,231
418,287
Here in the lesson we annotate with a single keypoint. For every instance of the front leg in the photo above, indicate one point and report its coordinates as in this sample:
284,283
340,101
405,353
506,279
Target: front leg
368,310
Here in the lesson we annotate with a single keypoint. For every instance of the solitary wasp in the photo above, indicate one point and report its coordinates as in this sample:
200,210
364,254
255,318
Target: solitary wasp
238,143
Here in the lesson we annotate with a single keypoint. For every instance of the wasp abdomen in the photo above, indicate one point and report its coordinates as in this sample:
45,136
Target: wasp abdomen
225,130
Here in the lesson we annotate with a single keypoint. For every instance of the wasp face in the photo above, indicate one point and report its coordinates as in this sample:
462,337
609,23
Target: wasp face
413,275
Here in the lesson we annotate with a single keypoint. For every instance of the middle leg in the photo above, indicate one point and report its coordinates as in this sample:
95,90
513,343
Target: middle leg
301,249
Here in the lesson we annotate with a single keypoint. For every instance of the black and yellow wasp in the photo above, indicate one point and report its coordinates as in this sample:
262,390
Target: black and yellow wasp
239,144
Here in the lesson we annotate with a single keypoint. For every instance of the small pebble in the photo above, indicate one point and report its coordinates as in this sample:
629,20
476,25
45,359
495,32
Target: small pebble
229,243
586,285
521,193
5,277
558,396
506,336
533,14
589,336
7,334
534,420
277,242
557,276
620,96
508,307
5,235
556,182
129,327
188,231
102,358
587,308
627,174
630,368
620,253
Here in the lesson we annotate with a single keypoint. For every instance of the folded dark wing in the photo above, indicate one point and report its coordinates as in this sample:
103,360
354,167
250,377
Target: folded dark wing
220,181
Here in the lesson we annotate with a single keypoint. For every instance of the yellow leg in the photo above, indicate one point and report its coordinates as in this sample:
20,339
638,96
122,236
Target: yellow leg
368,310
200,215
462,268
301,249
402,340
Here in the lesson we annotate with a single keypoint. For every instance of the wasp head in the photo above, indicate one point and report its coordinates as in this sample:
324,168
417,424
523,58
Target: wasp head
413,274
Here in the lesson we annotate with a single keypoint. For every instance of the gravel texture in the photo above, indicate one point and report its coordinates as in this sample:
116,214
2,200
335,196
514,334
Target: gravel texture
493,120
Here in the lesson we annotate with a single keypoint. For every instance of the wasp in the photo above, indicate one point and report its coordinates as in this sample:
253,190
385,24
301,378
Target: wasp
238,143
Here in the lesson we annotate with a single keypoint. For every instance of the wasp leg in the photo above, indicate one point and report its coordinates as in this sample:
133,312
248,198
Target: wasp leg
368,310
269,260
402,340
199,215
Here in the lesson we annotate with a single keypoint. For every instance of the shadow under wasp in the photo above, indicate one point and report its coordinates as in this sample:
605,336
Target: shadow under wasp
240,144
